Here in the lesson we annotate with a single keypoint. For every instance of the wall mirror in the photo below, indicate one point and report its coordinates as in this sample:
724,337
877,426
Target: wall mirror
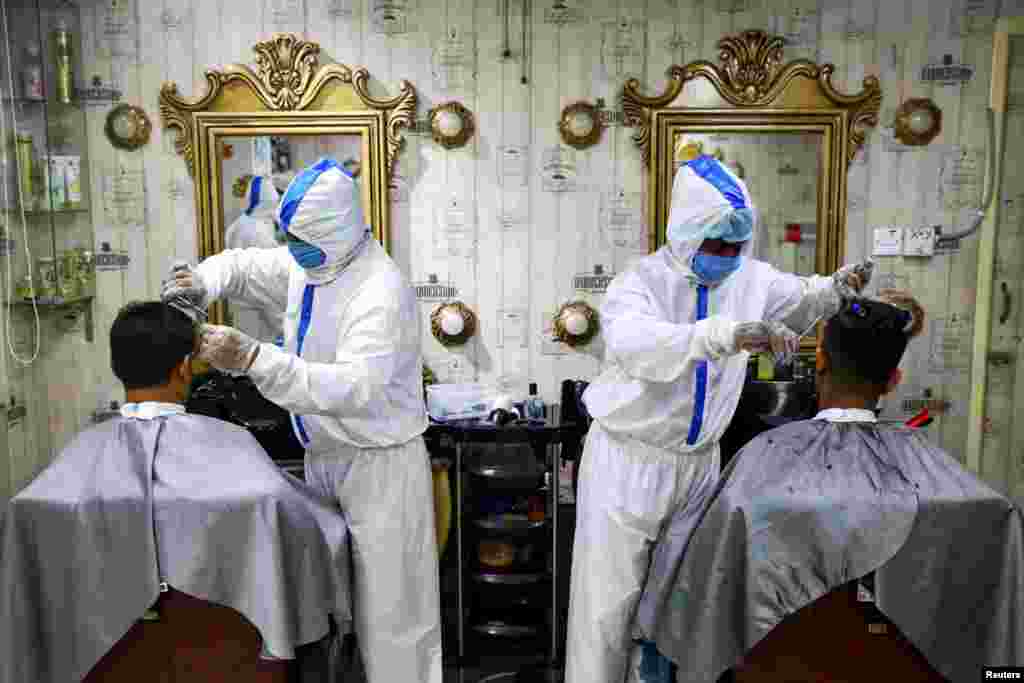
278,117
783,127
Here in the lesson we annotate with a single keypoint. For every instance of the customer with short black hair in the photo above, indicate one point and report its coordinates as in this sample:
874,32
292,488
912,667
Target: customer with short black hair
150,347
861,349
808,507
157,496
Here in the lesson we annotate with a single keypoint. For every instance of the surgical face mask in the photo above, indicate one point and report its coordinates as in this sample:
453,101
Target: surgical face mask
307,255
714,268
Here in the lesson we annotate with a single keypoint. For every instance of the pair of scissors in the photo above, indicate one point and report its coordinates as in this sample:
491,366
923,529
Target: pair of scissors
809,328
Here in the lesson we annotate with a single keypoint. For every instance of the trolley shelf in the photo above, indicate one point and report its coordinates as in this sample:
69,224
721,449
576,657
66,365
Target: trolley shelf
510,524
511,579
503,629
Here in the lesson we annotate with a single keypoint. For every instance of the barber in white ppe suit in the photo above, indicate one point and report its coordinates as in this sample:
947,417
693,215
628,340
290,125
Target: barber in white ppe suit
351,374
255,228
679,327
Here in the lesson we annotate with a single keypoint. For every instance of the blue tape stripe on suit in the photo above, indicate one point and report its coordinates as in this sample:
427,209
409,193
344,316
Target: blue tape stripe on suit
304,320
710,170
702,375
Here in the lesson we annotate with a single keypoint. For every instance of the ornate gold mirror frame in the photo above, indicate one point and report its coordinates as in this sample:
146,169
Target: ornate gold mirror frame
288,93
751,92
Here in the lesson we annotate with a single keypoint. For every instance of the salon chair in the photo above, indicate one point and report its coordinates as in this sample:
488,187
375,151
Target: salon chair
835,639
185,639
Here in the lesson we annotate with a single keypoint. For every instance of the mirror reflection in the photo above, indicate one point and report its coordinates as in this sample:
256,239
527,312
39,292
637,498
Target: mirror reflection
782,172
255,173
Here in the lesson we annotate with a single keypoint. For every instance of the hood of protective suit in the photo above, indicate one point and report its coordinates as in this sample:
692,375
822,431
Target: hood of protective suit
255,227
261,198
709,202
322,207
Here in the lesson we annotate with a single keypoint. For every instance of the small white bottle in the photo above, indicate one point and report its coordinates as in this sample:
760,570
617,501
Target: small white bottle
32,73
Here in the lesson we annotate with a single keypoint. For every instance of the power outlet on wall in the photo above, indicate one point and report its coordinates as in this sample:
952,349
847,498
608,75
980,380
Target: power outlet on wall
888,241
919,242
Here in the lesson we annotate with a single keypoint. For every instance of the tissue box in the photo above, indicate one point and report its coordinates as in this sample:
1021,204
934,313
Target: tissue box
459,401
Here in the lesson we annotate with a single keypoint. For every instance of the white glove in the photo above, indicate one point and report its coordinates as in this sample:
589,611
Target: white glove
849,281
757,337
185,282
226,348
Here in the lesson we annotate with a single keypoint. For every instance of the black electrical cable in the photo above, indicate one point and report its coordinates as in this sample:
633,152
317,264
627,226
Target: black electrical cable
507,52
526,24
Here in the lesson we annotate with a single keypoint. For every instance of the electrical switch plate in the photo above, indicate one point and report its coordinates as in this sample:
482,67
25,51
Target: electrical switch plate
888,241
919,242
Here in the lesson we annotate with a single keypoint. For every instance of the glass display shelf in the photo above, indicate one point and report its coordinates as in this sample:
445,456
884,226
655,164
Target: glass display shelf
36,213
48,210
55,301
75,104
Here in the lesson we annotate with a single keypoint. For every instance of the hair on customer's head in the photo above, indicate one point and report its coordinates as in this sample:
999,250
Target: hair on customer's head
147,340
866,340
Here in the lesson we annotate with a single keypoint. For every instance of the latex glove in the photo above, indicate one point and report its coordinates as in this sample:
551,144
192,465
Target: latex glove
758,337
226,348
186,282
849,281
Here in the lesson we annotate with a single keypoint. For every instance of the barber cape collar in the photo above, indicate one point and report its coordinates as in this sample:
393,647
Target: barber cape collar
322,207
846,415
150,410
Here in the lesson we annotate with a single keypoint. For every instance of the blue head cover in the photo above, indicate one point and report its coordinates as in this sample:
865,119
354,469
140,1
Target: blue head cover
322,207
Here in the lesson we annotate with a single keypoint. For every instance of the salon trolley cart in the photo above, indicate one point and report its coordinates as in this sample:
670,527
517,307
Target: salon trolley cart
510,567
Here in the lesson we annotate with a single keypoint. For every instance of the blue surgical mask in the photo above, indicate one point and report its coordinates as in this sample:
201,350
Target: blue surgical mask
307,255
714,268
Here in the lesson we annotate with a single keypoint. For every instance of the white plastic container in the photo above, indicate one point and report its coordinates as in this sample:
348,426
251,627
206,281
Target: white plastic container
55,182
72,166
459,401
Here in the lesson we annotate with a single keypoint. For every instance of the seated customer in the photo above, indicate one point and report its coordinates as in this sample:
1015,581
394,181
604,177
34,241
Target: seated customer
810,506
157,496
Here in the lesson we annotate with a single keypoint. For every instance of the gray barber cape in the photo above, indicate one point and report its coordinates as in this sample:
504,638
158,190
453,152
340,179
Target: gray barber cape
184,499
808,507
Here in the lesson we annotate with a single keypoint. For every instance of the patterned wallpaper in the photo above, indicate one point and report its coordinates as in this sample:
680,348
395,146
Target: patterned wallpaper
515,224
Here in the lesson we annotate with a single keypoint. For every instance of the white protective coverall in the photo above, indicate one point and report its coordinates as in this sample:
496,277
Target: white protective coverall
671,383
255,229
351,374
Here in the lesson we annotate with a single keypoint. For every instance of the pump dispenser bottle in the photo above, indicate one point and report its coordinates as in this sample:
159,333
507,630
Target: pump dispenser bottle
534,405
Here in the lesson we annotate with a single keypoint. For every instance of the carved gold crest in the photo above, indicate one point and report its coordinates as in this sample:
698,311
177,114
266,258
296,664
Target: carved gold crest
752,74
288,77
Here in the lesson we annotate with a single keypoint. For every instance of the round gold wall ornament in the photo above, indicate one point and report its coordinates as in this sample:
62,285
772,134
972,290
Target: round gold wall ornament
918,122
576,323
581,125
128,127
452,324
451,125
